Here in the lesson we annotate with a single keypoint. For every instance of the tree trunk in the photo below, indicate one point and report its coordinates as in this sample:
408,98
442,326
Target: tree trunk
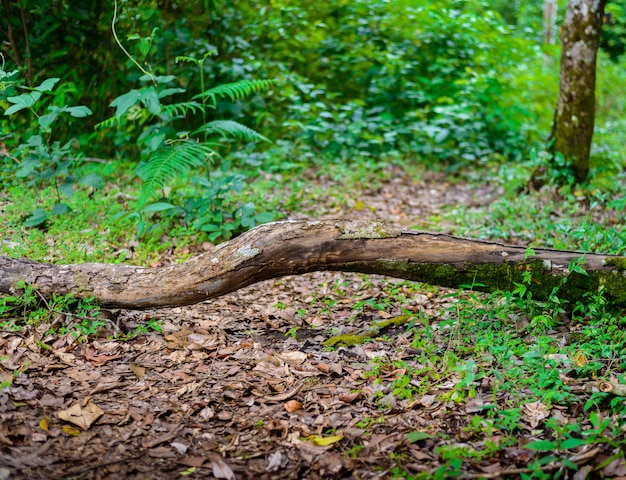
575,111
550,9
290,248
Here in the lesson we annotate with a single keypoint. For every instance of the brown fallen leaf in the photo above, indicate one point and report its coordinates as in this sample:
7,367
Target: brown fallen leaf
349,397
323,367
288,314
292,358
81,416
221,469
293,406
96,359
192,461
138,370
65,357
178,340
534,412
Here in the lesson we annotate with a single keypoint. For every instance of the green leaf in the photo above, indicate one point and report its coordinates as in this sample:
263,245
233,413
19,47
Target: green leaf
60,209
47,85
236,90
264,217
28,167
158,207
25,100
67,189
547,459
566,462
541,445
79,111
441,135
413,437
181,108
159,79
14,108
572,443
46,120
169,161
144,45
151,100
233,129
91,180
35,141
170,91
38,217
125,101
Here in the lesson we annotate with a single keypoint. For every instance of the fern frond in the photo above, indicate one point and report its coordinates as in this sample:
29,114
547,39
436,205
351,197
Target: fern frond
167,162
108,123
230,128
236,90
182,108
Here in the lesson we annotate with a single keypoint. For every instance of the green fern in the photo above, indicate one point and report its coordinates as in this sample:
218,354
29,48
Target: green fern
181,109
236,90
231,128
169,161
108,123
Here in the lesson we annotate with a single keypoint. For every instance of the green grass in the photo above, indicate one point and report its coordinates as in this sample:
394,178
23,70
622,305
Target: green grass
493,348
587,218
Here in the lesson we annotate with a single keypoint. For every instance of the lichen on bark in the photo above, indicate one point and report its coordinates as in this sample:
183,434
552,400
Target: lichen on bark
356,229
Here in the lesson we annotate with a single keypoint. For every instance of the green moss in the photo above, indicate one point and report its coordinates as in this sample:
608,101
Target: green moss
505,276
614,284
618,262
347,340
395,321
352,339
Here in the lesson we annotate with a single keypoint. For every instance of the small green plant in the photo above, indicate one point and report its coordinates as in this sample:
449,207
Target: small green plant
169,152
30,307
153,325
292,332
42,158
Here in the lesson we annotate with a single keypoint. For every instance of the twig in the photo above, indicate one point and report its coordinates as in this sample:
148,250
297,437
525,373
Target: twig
283,396
29,61
16,54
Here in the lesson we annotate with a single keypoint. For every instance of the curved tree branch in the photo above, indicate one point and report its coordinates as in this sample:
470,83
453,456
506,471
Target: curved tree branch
291,248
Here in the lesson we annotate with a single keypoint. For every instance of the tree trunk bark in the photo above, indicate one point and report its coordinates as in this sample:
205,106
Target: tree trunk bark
550,9
291,248
575,111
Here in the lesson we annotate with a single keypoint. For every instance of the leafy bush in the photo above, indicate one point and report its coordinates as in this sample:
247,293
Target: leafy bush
42,158
361,78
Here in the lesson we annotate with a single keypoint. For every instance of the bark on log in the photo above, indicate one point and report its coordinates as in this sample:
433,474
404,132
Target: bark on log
291,248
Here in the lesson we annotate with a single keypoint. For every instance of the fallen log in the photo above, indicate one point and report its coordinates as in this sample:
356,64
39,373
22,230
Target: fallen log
296,247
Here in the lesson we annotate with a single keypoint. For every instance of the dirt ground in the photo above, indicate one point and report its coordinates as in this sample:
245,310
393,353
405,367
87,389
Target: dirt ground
242,386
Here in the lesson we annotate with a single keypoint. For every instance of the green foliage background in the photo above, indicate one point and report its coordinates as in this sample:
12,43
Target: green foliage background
449,84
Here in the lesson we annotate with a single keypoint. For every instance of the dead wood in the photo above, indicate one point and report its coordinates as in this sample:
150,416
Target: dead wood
291,248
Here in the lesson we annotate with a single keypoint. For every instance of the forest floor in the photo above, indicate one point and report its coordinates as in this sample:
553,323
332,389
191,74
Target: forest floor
244,387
